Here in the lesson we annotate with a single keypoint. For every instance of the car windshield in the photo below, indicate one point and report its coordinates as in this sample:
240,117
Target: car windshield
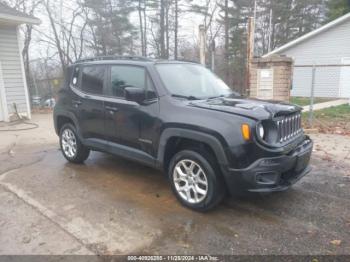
192,81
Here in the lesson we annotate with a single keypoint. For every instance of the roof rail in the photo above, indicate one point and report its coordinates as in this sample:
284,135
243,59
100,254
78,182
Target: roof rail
114,57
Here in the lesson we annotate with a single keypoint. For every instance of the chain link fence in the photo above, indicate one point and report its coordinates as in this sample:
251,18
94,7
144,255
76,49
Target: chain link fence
324,93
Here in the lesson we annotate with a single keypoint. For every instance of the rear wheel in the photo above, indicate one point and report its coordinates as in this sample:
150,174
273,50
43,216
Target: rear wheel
72,148
194,180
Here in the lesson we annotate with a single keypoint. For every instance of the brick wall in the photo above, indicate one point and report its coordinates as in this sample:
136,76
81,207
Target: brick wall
281,68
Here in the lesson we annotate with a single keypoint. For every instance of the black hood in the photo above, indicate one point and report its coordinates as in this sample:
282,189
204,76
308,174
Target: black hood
251,108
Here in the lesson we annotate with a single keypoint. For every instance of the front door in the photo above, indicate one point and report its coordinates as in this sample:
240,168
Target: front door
344,85
128,123
88,101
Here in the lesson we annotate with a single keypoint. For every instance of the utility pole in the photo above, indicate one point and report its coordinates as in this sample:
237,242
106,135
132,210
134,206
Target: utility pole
250,50
202,44
270,32
213,56
254,23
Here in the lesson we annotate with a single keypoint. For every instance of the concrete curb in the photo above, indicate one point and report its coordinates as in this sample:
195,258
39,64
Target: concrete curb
320,106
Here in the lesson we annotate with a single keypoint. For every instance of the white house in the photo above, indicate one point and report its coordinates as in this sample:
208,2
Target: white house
324,47
13,86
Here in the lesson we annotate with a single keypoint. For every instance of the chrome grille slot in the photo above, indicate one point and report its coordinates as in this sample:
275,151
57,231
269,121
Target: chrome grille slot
289,127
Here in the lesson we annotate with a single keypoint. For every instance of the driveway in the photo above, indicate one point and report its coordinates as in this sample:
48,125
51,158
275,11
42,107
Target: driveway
113,206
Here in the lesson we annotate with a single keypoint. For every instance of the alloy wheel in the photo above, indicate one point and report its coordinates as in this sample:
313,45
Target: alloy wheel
190,181
69,143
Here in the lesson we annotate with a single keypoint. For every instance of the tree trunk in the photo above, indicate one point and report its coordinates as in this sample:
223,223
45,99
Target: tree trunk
145,27
25,52
56,37
141,28
167,31
226,22
176,28
162,29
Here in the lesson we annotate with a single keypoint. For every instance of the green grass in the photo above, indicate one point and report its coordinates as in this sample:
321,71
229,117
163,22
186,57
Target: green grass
331,117
304,101
341,113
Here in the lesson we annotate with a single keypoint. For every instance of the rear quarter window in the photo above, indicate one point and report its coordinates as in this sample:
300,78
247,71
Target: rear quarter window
92,79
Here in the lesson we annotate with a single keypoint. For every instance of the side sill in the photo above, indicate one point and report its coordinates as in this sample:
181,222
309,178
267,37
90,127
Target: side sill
121,151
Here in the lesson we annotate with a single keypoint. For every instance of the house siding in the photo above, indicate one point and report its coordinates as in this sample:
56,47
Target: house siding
328,47
12,70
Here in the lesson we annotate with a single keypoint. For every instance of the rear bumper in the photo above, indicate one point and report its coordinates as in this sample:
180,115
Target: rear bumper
272,174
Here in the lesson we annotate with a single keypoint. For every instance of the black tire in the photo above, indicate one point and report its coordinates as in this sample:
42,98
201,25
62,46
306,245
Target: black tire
216,189
82,152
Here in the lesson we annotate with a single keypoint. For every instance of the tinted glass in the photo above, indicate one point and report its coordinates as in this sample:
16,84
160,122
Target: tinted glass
126,76
151,93
192,80
92,79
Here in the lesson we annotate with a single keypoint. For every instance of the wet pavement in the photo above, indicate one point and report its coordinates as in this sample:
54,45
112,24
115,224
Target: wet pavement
113,206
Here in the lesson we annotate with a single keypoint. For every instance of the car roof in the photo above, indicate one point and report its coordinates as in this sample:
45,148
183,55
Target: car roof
131,60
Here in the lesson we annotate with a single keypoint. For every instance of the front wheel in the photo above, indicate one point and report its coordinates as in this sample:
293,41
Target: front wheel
194,180
72,148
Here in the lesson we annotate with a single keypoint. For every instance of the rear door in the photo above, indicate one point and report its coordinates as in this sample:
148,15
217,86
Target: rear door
88,101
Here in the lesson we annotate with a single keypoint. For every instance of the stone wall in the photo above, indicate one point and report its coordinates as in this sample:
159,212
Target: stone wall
282,70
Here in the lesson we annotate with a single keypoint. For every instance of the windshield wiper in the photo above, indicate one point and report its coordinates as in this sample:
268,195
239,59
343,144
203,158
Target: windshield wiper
186,97
213,97
234,94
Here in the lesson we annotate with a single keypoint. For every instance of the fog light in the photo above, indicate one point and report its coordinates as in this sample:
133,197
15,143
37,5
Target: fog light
266,178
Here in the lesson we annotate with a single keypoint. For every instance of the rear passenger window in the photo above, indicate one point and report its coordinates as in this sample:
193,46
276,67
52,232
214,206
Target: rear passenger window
126,76
92,79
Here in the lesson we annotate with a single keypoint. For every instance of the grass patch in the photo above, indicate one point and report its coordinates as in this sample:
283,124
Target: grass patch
334,119
304,101
334,113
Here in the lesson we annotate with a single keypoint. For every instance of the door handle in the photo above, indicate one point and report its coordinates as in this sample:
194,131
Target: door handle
112,109
76,103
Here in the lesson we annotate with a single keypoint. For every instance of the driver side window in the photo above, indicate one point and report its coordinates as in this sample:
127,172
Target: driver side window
126,76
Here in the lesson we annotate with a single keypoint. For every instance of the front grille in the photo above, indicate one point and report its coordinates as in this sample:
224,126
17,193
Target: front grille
289,127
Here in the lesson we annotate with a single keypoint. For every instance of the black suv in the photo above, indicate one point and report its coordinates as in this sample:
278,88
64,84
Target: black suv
179,117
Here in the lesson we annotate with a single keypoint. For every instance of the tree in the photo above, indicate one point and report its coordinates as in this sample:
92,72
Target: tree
111,29
66,35
290,20
337,8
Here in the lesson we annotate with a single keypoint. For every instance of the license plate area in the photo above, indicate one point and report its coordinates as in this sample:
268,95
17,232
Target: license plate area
302,161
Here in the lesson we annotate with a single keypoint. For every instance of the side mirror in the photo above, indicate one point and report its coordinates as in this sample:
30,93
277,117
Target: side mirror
135,94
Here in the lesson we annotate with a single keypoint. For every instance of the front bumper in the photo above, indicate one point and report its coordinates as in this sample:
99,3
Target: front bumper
272,174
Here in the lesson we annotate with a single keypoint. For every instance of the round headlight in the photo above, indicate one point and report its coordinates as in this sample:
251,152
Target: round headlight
261,131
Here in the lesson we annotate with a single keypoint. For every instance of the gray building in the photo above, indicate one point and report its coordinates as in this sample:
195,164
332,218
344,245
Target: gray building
324,47
13,86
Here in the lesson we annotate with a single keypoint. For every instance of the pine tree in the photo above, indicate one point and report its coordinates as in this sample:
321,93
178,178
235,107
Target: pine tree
337,8
111,28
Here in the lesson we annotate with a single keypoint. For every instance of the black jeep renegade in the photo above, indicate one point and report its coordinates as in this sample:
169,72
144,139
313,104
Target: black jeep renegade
181,118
